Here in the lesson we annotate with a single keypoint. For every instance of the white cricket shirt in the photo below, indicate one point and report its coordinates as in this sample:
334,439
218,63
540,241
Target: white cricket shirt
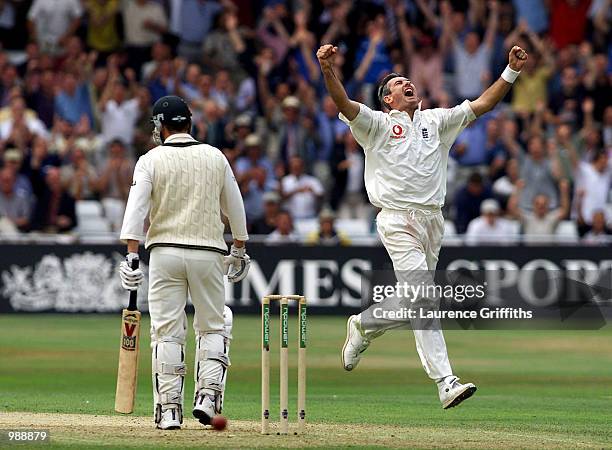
405,159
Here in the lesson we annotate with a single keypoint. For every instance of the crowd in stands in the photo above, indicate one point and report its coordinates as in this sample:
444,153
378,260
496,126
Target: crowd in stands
78,79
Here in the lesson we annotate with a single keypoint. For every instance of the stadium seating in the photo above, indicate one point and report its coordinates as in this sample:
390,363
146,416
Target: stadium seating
90,219
567,232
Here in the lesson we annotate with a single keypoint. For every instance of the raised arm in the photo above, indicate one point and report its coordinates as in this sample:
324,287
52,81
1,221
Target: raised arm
516,33
545,50
405,36
338,25
564,203
428,13
345,105
448,37
376,38
601,21
231,24
513,202
264,67
498,90
492,24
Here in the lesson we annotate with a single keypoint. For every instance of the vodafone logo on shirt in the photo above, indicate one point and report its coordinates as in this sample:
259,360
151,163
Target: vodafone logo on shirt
397,132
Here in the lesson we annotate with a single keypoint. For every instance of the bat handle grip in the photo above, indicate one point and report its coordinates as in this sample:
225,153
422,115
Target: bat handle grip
133,305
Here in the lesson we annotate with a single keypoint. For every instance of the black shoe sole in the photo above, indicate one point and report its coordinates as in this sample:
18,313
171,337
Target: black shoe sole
169,428
202,417
463,396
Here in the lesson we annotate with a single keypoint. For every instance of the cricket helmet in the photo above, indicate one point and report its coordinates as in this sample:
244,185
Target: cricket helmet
170,110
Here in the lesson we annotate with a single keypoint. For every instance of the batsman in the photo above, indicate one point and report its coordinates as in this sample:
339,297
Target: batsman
185,185
406,154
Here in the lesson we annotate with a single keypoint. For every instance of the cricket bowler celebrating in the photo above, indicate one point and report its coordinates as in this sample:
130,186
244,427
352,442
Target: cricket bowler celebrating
185,184
406,153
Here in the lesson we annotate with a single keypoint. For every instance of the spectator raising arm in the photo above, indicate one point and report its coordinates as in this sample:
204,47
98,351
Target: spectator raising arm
108,90
564,200
338,26
428,13
476,13
346,106
498,90
492,23
448,37
279,41
564,139
233,33
376,37
512,208
542,48
405,34
588,121
304,40
519,30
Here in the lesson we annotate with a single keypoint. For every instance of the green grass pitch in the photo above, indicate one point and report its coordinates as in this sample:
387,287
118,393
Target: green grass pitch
536,389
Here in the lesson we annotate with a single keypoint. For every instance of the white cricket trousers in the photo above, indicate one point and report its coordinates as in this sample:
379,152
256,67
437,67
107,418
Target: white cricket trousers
413,239
173,272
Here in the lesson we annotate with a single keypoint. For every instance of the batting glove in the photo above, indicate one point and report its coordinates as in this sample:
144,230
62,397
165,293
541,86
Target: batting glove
130,278
236,264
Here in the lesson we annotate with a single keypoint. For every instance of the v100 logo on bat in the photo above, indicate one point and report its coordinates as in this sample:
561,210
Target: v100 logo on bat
128,338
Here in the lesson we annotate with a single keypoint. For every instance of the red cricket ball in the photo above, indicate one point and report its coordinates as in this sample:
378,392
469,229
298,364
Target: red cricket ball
219,423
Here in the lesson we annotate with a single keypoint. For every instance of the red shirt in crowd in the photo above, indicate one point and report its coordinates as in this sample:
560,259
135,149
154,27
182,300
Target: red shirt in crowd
568,19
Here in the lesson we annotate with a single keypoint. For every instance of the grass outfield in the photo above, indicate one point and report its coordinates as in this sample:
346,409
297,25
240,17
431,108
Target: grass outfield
535,389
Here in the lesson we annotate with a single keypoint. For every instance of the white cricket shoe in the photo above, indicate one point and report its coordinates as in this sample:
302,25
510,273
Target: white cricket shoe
204,408
354,345
170,419
452,392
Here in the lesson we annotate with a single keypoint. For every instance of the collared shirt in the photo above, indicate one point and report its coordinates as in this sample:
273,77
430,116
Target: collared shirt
16,206
330,130
469,69
197,19
103,35
135,15
540,226
72,107
406,159
474,138
53,18
119,120
534,12
539,180
596,186
302,205
253,199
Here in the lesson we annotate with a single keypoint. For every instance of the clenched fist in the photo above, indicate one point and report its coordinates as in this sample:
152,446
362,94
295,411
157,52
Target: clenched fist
326,55
517,58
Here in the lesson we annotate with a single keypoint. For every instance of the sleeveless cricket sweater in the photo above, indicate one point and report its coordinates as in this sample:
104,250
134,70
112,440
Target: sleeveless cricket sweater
186,187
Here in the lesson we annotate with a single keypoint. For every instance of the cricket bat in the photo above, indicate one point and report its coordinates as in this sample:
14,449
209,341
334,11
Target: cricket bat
127,374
